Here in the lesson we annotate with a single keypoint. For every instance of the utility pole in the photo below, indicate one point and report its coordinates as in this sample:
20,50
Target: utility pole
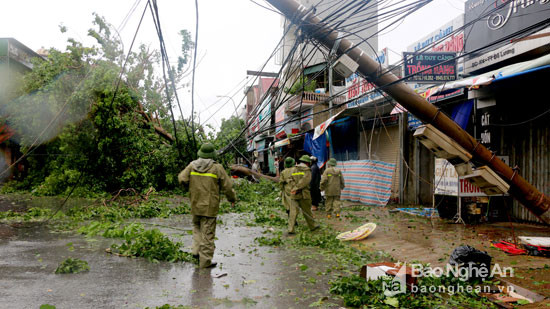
264,74
523,191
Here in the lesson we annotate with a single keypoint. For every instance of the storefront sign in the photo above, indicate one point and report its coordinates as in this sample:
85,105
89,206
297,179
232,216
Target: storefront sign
488,134
447,181
435,41
518,47
437,98
382,57
430,67
490,22
413,122
447,38
360,88
265,113
282,143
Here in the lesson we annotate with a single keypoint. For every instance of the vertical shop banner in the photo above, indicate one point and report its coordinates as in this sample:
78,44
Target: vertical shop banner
488,134
367,181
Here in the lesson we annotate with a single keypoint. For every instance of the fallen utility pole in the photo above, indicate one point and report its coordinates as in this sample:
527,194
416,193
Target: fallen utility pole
523,191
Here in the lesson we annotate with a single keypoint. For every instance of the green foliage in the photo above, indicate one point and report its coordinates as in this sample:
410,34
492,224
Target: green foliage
266,241
261,199
167,306
358,292
303,84
344,254
229,131
72,266
47,306
186,46
112,229
154,246
58,182
67,110
31,214
117,212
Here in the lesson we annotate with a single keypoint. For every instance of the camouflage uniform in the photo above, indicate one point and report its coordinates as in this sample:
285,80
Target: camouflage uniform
206,179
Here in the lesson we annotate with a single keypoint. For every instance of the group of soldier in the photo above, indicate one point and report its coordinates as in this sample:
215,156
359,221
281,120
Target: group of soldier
297,186
208,179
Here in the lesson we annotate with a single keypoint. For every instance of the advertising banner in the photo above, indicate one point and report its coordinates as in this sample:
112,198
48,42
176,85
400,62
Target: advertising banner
360,88
447,38
430,67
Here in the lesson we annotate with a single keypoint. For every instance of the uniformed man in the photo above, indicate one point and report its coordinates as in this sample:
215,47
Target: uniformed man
207,180
300,195
286,182
332,182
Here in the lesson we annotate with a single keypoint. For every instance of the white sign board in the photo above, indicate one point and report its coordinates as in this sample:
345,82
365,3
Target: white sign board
508,51
447,181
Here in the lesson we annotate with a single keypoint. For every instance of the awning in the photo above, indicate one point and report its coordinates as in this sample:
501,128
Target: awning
315,68
492,76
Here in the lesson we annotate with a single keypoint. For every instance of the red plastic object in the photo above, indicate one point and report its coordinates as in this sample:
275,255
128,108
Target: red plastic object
509,248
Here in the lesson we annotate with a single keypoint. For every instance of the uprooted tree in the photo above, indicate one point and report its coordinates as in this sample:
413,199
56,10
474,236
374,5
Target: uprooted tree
66,112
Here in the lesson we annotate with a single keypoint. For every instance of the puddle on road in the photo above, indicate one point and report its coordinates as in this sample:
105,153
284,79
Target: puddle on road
247,274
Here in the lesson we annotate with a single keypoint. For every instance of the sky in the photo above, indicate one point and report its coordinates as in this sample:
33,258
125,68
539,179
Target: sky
234,36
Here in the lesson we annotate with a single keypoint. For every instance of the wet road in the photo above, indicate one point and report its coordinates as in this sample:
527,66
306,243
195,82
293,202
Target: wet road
247,275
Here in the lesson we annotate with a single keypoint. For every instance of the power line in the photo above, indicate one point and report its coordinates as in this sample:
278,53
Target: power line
194,67
156,19
384,86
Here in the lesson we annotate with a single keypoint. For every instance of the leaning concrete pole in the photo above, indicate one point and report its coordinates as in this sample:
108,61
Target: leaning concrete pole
524,192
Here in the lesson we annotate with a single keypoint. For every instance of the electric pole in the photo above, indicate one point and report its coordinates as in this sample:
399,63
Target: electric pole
523,191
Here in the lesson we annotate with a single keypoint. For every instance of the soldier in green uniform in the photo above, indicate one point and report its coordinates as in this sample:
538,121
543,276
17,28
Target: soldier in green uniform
332,182
207,180
300,195
286,182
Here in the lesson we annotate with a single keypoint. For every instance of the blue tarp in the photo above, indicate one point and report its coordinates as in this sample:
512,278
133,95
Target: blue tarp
343,147
423,212
317,147
461,113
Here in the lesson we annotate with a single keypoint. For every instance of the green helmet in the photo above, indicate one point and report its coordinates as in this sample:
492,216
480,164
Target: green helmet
207,151
332,162
305,158
289,162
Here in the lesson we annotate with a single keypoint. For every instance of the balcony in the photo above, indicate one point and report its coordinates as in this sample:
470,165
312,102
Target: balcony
306,100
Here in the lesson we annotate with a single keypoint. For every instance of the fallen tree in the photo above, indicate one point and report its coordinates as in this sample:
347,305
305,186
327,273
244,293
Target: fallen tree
248,172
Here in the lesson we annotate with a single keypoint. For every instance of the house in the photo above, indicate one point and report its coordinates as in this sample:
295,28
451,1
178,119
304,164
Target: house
15,61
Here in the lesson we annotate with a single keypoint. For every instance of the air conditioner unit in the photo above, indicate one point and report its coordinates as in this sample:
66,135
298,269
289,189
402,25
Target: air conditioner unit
345,66
444,147
488,181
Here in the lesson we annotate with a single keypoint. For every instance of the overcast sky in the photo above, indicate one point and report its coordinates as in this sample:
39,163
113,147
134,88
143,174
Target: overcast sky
234,36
